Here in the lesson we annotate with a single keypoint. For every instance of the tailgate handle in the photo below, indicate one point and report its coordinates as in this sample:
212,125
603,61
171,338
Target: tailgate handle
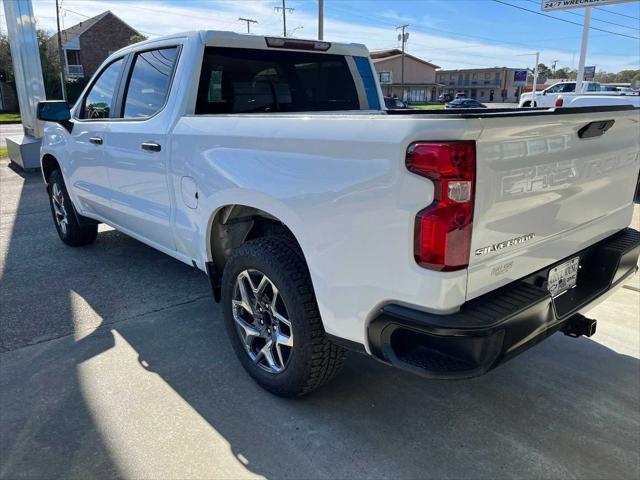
595,129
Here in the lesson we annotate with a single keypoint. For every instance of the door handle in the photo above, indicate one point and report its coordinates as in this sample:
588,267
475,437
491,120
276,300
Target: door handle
151,146
96,140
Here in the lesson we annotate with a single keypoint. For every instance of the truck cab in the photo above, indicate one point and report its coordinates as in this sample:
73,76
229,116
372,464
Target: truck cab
548,96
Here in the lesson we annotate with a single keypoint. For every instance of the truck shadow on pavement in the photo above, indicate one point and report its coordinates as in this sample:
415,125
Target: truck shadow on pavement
116,364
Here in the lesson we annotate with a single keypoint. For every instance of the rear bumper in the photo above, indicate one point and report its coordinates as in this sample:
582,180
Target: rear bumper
495,327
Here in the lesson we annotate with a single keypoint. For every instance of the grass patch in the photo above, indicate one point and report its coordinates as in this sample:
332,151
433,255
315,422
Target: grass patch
10,118
428,107
4,152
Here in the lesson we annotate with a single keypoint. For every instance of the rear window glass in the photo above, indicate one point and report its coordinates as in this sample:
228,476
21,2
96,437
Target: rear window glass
235,80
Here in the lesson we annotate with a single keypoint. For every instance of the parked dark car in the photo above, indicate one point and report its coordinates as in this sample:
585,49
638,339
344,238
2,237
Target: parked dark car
394,103
465,103
445,98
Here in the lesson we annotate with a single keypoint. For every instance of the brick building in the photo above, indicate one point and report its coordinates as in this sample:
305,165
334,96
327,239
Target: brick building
87,44
497,84
419,76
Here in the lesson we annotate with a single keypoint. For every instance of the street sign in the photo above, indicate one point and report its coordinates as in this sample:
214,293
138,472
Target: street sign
520,77
589,73
551,5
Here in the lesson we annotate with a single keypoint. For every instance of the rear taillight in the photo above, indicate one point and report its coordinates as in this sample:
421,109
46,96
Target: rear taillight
442,236
559,102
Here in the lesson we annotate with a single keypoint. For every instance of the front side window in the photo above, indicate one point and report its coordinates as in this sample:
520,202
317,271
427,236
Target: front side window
99,101
236,80
149,82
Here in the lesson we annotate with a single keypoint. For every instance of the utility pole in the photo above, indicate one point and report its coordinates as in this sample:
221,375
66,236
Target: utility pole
320,19
583,49
284,16
249,22
535,78
555,62
60,53
404,37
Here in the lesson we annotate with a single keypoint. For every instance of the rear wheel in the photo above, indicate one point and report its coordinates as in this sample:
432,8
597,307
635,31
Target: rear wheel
64,214
272,318
526,104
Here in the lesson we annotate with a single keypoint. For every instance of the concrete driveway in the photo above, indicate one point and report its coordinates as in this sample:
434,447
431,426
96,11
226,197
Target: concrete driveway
114,363
9,130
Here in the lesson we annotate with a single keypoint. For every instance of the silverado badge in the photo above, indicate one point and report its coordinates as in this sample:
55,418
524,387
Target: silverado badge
507,243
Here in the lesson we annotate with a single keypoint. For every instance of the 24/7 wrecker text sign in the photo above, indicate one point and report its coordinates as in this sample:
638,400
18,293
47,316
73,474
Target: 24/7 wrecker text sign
550,5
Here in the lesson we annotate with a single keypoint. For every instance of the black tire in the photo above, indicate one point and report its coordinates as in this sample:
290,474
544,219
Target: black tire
314,359
71,233
526,104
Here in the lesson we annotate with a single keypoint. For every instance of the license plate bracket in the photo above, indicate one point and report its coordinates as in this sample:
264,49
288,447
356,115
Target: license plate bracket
563,277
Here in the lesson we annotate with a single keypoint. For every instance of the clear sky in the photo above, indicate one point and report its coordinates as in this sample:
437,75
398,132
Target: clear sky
450,33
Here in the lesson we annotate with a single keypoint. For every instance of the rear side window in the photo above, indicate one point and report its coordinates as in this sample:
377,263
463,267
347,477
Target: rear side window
149,82
235,80
98,103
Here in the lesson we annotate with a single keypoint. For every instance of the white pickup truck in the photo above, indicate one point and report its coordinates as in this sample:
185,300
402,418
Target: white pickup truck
440,242
549,96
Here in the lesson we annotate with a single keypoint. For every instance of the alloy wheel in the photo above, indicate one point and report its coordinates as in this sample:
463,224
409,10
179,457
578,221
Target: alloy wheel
60,212
262,321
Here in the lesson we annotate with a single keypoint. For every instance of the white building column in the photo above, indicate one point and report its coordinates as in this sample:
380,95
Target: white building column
21,25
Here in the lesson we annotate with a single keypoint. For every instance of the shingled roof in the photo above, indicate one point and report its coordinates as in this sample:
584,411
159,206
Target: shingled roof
381,55
78,29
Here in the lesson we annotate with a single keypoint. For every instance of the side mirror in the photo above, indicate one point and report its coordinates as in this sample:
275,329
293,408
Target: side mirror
544,92
54,111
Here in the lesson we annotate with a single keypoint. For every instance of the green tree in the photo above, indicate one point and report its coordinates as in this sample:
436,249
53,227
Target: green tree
50,66
5,59
544,72
566,73
137,38
605,77
625,76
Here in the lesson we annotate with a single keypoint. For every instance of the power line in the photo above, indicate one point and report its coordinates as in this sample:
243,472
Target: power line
564,20
431,31
616,13
569,12
170,12
87,16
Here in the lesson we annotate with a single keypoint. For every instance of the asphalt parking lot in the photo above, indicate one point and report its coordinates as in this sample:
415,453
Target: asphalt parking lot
114,363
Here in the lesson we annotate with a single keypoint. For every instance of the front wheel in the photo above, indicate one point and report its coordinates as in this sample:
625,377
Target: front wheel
64,215
272,318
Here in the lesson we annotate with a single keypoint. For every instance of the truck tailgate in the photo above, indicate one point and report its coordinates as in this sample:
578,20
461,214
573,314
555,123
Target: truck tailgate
543,193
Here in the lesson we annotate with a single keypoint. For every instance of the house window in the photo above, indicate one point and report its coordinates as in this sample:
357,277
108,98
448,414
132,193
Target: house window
385,77
73,57
481,93
487,76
